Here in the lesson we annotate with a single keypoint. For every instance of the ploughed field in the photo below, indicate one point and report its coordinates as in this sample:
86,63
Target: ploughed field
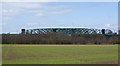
59,54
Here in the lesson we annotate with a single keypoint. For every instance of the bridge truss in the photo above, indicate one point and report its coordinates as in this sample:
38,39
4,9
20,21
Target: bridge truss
64,30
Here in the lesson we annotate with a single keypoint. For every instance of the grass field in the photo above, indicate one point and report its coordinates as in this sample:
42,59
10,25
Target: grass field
59,54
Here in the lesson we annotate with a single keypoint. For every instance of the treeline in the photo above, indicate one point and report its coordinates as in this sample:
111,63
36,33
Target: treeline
55,38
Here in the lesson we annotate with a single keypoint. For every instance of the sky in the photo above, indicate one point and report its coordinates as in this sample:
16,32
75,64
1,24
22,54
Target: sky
27,15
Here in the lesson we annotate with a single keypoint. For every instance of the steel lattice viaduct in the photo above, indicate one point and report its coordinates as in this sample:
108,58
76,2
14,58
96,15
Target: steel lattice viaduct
66,31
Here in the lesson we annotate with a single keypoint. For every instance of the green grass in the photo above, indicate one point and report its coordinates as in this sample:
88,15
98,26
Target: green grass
55,54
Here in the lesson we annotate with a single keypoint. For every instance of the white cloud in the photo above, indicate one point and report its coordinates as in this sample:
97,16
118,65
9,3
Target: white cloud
40,14
31,24
11,9
107,25
60,0
23,5
62,11
29,0
5,11
113,27
37,9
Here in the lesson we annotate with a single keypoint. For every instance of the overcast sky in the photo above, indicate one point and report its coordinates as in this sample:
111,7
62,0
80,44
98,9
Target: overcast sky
18,15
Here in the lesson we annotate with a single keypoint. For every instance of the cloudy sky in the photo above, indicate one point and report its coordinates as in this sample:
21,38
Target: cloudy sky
18,15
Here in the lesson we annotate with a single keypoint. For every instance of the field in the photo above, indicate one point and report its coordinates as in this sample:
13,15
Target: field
59,54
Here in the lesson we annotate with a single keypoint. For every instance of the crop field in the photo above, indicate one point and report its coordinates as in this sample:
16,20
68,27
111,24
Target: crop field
59,54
